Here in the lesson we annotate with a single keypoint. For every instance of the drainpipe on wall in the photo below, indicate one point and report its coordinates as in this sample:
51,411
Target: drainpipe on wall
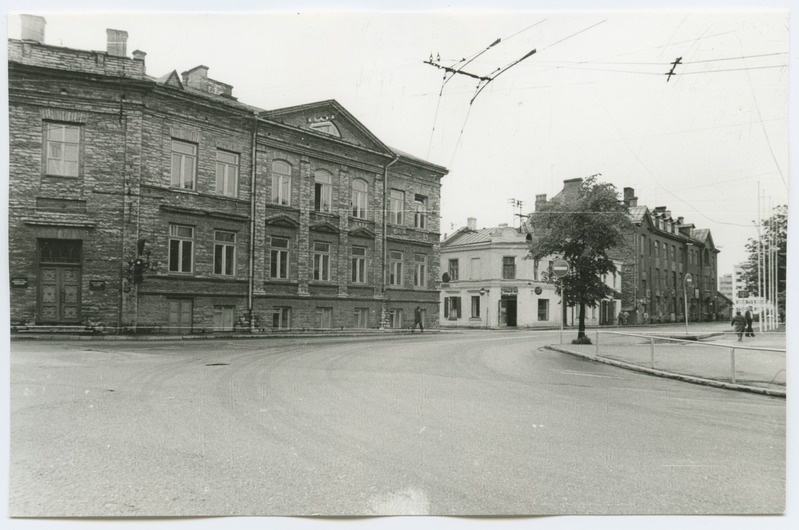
125,192
385,230
251,260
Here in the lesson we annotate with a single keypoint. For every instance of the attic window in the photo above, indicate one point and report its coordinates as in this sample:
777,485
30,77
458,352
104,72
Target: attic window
326,127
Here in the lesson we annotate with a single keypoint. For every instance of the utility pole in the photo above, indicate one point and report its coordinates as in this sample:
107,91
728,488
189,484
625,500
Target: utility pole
516,203
673,66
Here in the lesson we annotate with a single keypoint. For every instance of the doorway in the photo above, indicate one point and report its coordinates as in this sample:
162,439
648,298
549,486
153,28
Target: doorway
59,281
507,310
180,315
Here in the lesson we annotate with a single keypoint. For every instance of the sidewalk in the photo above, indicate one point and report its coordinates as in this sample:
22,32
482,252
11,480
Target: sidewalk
756,365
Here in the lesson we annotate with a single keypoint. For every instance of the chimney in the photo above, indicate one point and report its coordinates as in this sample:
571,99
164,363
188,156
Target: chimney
117,42
629,193
632,202
540,200
139,55
680,220
471,223
572,184
667,213
660,209
197,77
32,28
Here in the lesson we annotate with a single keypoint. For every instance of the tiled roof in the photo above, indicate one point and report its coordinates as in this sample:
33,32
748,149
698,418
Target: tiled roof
464,236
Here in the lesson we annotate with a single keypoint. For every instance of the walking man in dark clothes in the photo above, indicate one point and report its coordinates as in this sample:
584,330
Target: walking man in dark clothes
739,324
748,317
417,319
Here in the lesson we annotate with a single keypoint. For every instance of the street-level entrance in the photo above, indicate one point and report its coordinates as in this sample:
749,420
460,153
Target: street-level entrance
180,315
507,310
59,281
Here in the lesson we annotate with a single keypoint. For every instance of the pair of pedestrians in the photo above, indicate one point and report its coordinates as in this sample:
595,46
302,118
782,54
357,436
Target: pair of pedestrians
742,324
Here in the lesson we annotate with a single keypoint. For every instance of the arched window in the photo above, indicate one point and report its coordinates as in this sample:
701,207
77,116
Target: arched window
281,183
360,198
323,191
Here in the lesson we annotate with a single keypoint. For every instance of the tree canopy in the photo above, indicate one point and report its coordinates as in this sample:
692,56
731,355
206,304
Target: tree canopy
581,225
773,236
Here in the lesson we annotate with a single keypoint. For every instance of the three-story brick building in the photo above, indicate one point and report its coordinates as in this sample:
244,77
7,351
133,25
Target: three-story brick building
165,203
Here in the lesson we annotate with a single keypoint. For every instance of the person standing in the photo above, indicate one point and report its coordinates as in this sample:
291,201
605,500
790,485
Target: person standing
748,317
417,319
739,324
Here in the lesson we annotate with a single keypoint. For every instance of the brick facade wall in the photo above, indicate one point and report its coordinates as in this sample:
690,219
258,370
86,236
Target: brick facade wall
124,196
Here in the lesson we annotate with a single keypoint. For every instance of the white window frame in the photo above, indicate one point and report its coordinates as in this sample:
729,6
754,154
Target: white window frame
227,267
323,191
281,183
62,149
420,212
546,310
227,173
281,315
475,306
360,198
395,318
279,257
420,271
453,271
321,261
358,262
185,243
396,206
395,268
361,317
185,163
511,267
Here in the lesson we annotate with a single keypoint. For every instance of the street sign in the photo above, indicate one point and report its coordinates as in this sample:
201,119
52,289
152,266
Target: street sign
560,268
688,278
482,290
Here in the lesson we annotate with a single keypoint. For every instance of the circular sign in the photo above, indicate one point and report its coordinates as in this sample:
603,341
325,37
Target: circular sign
560,268
483,291
688,279
538,289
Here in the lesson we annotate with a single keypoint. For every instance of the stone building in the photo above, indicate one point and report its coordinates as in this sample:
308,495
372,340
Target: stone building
665,261
490,283
164,203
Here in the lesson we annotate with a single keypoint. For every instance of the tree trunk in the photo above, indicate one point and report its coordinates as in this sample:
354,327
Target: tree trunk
581,328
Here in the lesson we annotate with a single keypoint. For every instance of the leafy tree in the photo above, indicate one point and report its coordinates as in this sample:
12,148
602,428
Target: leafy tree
581,225
773,235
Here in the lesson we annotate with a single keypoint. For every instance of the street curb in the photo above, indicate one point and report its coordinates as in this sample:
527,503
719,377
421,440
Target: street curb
672,375
211,336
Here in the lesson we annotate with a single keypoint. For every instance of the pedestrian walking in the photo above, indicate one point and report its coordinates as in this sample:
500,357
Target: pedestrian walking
748,317
646,317
739,324
417,319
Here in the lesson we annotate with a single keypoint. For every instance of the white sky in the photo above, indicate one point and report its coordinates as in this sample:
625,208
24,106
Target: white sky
597,102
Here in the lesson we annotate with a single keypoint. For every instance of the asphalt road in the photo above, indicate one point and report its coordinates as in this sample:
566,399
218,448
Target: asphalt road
473,423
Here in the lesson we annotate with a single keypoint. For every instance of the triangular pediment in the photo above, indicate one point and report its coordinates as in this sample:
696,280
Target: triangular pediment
328,119
171,79
282,220
325,227
363,233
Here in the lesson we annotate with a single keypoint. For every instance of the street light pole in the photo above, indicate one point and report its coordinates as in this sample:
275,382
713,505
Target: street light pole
687,281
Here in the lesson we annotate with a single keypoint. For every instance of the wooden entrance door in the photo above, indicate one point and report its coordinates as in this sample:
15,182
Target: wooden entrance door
59,281
59,288
180,315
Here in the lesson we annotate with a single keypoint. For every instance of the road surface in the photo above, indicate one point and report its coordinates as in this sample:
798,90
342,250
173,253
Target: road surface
472,423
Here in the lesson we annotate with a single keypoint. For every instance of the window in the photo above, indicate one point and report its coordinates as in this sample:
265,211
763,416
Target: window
543,310
281,318
509,268
535,270
361,317
281,183
227,173
420,271
279,263
395,318
358,265
224,253
321,261
62,148
476,306
223,317
453,270
396,206
360,197
395,268
326,127
324,317
181,248
452,307
476,272
184,164
420,211
323,191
